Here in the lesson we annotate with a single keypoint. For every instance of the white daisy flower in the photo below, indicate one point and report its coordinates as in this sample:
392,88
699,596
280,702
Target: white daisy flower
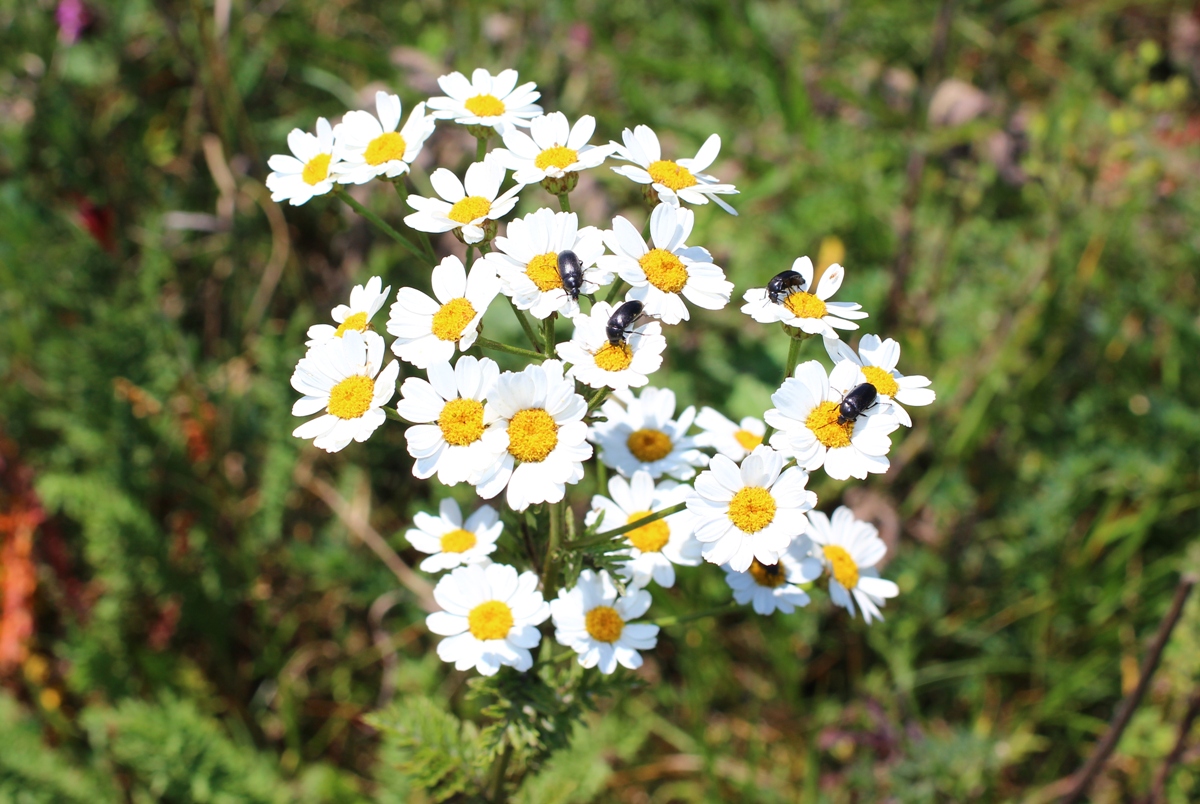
878,360
752,511
681,180
450,542
365,301
663,276
552,148
486,100
447,415
369,146
640,433
851,548
775,586
536,436
656,548
734,441
806,310
594,620
597,363
427,330
309,171
806,417
471,207
491,617
526,261
342,377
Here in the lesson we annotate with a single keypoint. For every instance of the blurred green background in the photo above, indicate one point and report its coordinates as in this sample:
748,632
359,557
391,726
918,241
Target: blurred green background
1011,186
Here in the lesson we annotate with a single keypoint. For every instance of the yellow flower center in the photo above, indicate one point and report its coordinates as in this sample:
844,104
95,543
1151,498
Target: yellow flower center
845,571
542,270
559,156
883,380
747,440
384,148
532,435
614,358
768,575
316,170
823,421
752,509
450,321
490,620
461,421
671,175
458,541
649,446
351,397
805,305
604,624
356,322
484,106
648,538
664,270
471,208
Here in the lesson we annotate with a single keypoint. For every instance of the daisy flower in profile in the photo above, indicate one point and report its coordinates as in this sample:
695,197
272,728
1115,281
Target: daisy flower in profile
806,417
365,301
490,617
447,415
309,171
427,330
641,433
536,436
663,276
809,311
654,548
734,441
593,620
449,541
681,180
486,100
369,146
851,548
526,260
469,208
552,148
752,511
878,360
341,376
597,363
776,586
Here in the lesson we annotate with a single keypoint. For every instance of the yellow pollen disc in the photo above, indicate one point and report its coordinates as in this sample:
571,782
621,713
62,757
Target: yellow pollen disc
649,446
542,270
532,435
648,538
614,358
823,421
604,624
752,509
458,541
559,156
484,106
671,175
471,208
768,575
491,620
385,148
356,322
883,381
664,270
461,421
316,170
450,321
747,440
845,571
805,305
351,397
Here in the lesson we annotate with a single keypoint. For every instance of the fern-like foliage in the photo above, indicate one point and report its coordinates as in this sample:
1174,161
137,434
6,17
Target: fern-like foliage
33,773
429,748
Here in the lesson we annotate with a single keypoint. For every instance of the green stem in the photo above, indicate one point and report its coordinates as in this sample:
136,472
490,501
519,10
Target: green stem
550,564
392,414
793,358
687,618
402,191
525,325
564,202
548,333
470,256
601,477
481,148
615,290
499,769
598,398
341,193
496,346
609,535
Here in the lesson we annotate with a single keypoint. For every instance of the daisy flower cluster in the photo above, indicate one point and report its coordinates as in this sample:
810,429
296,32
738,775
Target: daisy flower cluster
533,559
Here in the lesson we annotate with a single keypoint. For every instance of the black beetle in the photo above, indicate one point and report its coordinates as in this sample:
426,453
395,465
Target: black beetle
784,284
622,320
570,271
856,402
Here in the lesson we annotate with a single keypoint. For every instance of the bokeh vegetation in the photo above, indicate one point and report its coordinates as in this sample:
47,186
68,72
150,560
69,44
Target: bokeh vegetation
1011,186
